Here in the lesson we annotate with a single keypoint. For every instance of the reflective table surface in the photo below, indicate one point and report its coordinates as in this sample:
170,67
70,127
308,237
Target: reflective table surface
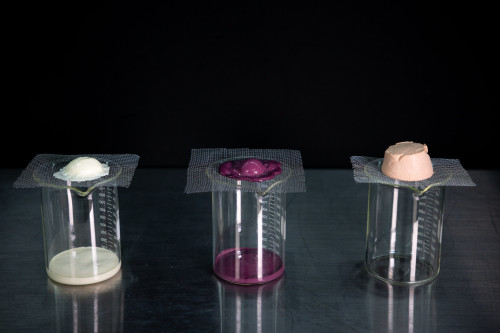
166,283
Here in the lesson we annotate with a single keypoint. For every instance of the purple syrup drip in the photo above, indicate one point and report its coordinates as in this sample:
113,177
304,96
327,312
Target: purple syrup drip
246,259
251,169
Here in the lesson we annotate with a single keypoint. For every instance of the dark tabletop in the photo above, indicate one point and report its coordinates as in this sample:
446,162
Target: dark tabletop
166,283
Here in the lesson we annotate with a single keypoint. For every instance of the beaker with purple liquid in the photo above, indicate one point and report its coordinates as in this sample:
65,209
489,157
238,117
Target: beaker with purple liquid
248,189
248,236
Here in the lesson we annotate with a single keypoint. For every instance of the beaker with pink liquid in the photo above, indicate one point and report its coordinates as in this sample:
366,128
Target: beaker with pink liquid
248,236
249,188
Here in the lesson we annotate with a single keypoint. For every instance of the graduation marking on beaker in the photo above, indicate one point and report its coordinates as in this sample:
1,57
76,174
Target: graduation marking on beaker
272,221
108,218
428,216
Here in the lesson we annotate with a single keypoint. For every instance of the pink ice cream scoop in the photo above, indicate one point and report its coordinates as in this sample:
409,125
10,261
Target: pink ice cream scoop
251,169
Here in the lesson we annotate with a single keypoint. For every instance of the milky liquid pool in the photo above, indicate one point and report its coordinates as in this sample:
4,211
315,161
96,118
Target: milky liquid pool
83,265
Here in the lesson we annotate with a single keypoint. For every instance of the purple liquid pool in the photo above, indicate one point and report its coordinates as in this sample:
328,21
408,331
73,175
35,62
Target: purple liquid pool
241,266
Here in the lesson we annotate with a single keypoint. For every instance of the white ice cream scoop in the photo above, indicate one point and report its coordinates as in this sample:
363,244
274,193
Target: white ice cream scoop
83,169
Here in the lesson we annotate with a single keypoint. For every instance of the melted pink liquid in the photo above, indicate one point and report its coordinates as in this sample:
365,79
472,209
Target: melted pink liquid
251,169
241,266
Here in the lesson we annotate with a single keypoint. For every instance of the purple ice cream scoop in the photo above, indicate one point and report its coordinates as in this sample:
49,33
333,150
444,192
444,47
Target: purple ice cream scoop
251,169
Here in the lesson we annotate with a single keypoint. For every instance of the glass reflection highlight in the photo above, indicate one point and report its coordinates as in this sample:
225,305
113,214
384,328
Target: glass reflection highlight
252,308
401,308
89,308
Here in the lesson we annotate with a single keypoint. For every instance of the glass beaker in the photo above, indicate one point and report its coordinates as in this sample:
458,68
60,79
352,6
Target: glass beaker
248,236
81,234
404,229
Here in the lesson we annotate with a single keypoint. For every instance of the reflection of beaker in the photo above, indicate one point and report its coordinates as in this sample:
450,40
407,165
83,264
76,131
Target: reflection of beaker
81,234
401,308
248,236
256,308
403,241
92,308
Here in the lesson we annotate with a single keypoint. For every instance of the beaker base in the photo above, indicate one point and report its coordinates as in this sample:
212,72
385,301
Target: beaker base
83,265
396,269
243,266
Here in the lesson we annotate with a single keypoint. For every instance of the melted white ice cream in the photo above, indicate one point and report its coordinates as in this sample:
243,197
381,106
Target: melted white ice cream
83,169
83,265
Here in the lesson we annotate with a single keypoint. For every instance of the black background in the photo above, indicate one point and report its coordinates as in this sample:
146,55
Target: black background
347,78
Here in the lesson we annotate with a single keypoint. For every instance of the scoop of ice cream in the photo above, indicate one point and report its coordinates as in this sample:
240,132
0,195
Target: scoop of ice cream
407,161
82,169
251,169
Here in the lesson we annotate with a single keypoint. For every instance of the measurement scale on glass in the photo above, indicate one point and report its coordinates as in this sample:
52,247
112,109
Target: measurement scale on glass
109,220
428,216
273,226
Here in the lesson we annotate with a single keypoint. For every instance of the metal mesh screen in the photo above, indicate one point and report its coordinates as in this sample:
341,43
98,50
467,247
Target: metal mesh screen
447,172
40,171
203,175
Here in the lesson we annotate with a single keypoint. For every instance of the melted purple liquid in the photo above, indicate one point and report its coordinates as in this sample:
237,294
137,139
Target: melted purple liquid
251,169
241,266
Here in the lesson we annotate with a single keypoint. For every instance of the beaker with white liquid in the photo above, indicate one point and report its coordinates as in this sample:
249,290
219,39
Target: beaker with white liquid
81,234
80,213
